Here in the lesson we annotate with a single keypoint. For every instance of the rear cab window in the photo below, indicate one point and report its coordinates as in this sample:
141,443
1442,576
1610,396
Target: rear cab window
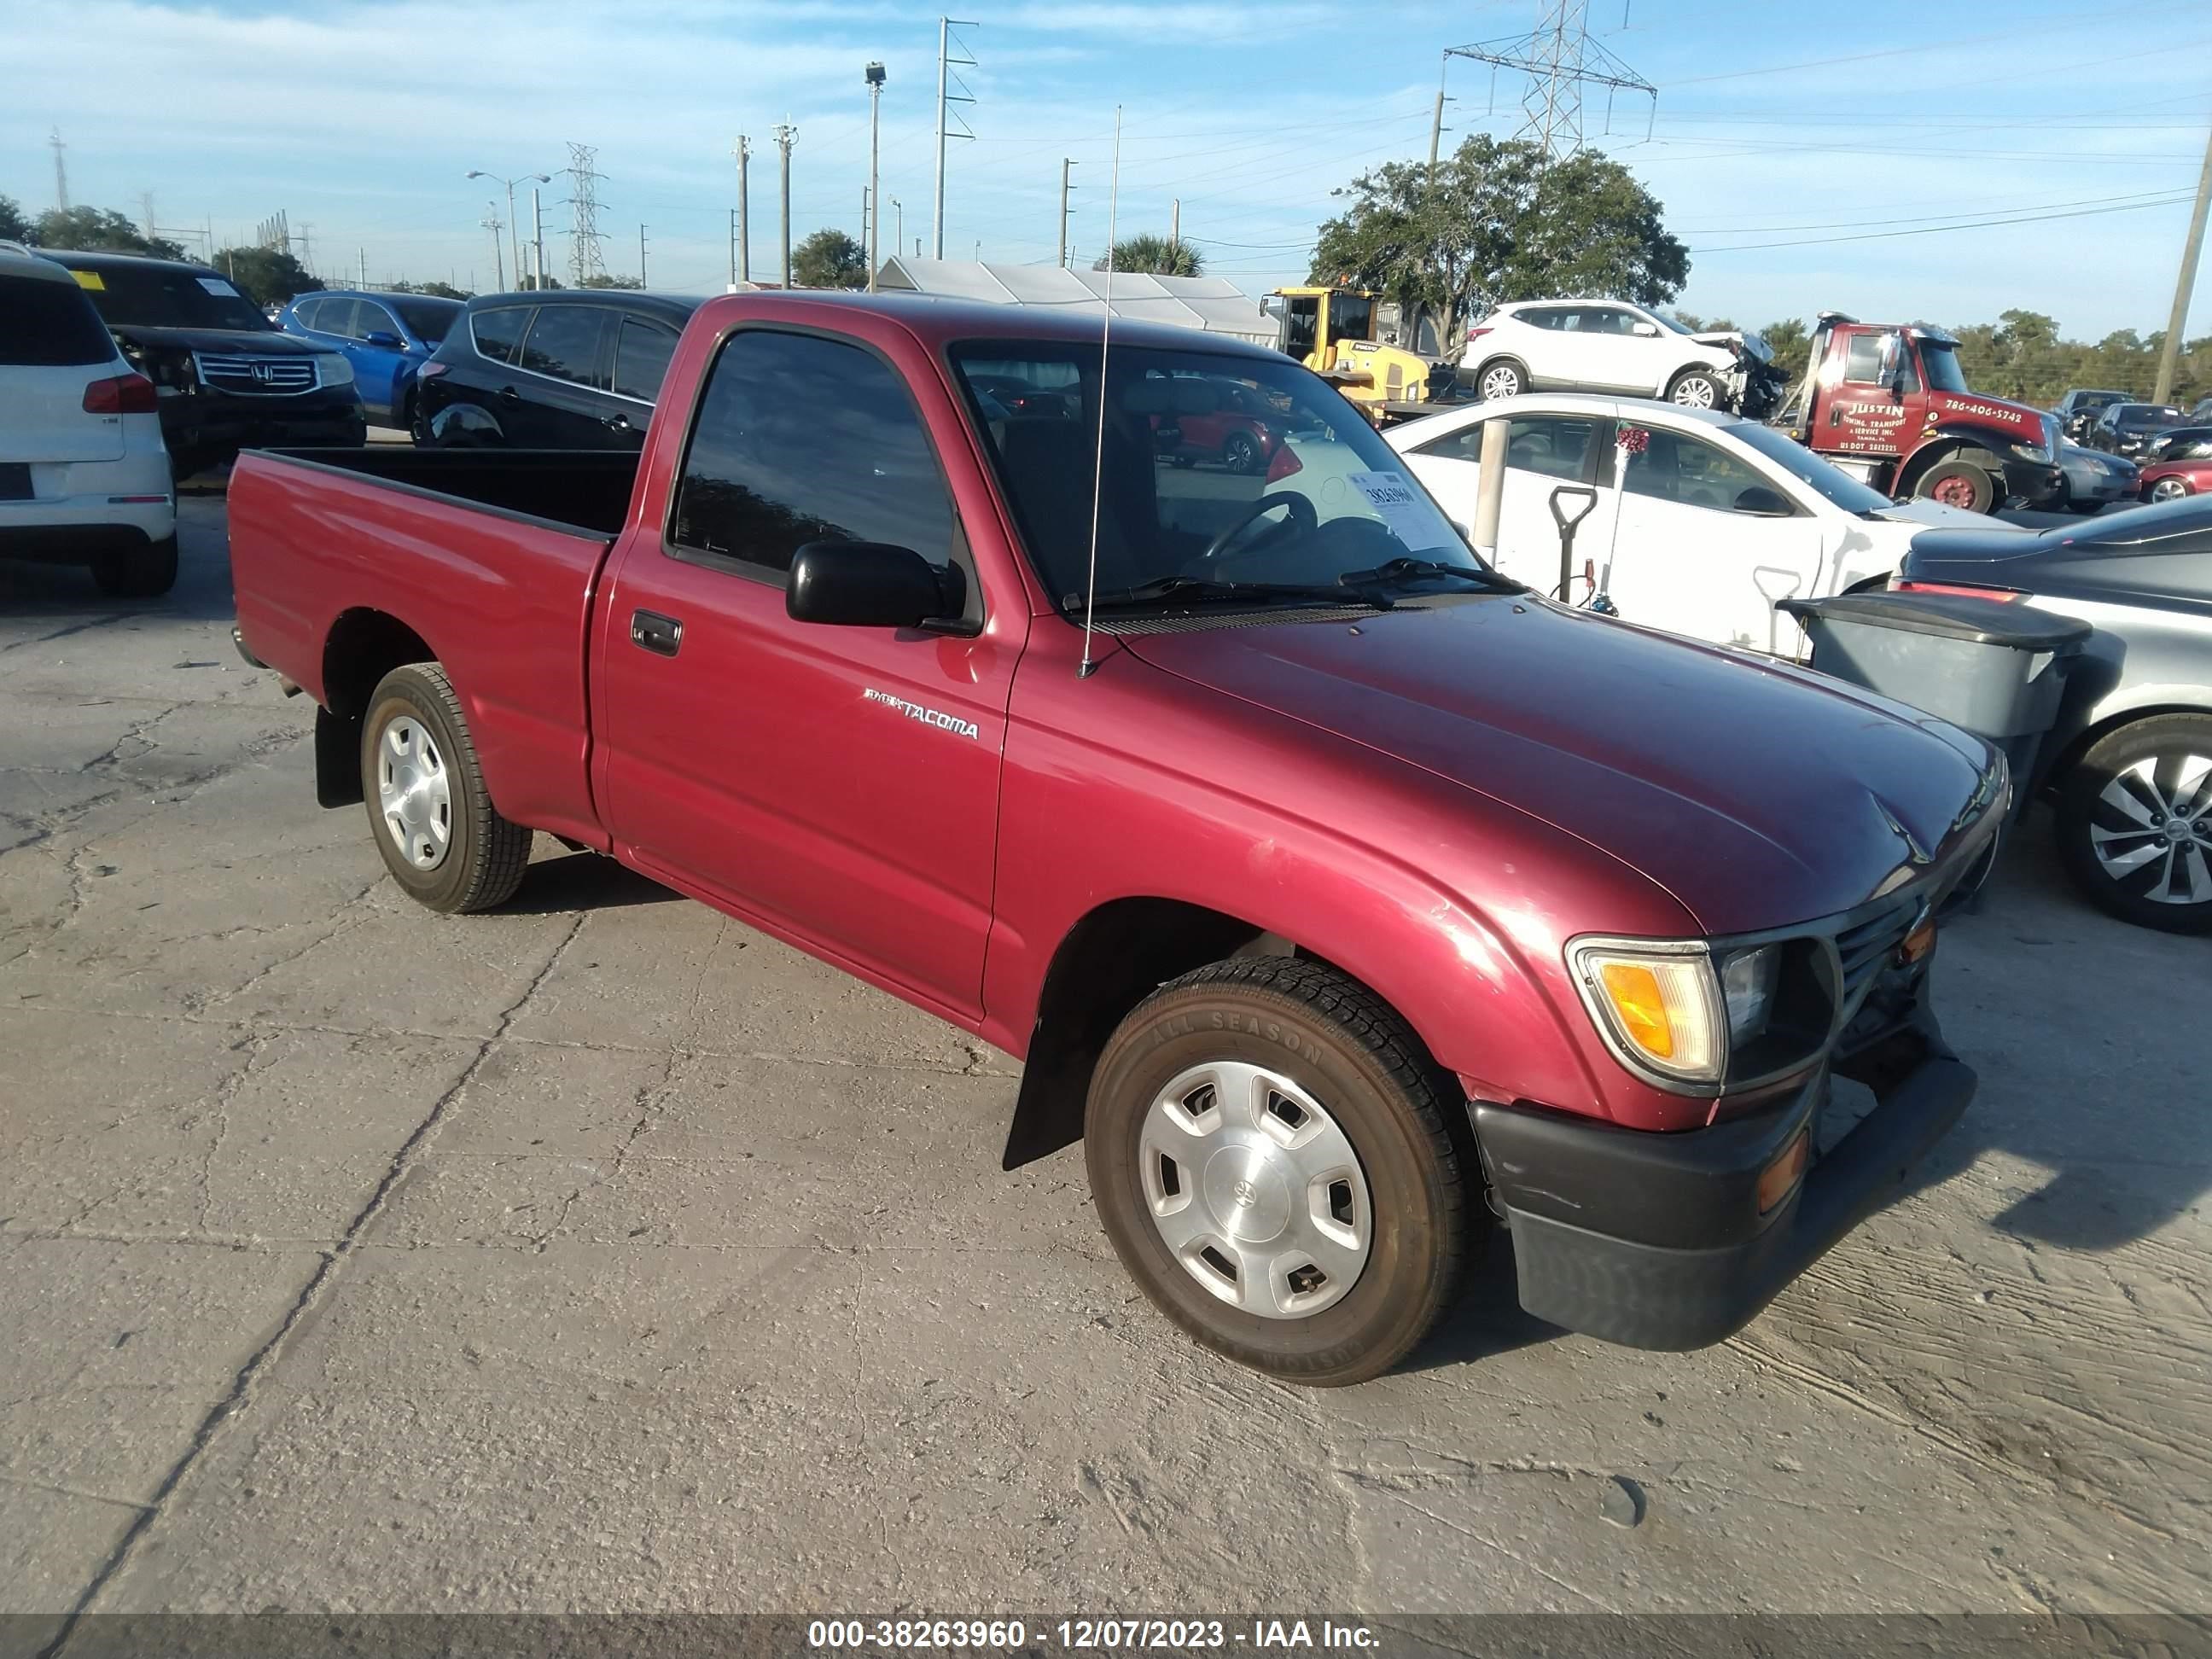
49,325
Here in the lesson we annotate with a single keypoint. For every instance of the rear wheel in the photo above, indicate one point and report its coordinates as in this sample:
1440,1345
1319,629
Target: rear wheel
2134,823
1696,389
1239,454
1503,378
2169,490
1961,483
137,573
441,837
1268,1149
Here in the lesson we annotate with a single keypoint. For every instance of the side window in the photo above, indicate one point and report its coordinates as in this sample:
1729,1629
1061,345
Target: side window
564,342
498,332
337,317
370,318
1464,444
1688,472
642,355
1555,446
1545,316
1605,320
801,439
307,311
1862,359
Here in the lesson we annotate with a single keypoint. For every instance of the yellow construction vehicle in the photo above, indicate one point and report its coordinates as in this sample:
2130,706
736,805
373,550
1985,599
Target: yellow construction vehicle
1331,331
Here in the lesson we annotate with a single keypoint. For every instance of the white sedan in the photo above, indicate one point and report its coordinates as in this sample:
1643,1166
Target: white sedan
1701,523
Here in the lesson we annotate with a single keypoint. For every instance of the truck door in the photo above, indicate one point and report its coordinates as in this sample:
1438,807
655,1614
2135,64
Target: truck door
1875,401
839,783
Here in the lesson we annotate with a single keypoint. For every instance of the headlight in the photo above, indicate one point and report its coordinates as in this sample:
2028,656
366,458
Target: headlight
1659,1004
2038,452
334,368
1748,991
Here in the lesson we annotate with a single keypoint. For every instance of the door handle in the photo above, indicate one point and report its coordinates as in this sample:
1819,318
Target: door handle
619,422
509,394
662,636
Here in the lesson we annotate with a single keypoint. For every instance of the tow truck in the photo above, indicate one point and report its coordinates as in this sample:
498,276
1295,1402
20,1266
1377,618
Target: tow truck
1888,403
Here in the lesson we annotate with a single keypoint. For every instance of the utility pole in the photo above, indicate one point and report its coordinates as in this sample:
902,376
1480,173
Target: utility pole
742,150
875,78
641,256
784,136
537,237
945,98
1174,225
2169,354
61,170
490,222
1065,165
898,223
733,250
362,255
146,210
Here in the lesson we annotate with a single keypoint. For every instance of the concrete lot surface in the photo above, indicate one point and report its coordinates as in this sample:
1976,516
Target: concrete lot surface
600,1254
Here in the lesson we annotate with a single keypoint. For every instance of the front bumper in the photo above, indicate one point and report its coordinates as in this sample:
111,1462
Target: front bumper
1655,1240
2035,483
209,430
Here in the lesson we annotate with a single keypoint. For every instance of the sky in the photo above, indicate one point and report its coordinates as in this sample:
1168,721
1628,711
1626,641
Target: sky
1935,161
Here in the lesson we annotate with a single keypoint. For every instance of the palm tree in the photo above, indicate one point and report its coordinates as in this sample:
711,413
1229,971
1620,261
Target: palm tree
1157,255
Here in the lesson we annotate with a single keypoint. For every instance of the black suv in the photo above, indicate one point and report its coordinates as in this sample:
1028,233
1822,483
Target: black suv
225,377
2129,428
569,369
2080,408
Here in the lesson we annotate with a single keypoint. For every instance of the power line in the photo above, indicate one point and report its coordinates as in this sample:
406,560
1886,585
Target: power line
1982,224
1559,59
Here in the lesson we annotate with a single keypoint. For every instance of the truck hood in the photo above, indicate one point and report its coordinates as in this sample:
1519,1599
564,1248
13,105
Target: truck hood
243,341
1753,344
1756,794
2002,411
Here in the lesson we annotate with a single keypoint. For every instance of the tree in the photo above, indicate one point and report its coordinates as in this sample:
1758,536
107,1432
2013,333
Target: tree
90,229
437,290
1154,254
1498,223
531,284
828,259
607,279
14,226
266,275
1791,342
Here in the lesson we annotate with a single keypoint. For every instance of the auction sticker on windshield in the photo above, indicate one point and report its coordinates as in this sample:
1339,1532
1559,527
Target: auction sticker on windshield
1397,503
217,287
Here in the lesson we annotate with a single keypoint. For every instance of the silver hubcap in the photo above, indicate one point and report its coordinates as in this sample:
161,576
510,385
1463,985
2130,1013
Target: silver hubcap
1696,392
1501,383
1255,1190
2166,489
2157,823
412,793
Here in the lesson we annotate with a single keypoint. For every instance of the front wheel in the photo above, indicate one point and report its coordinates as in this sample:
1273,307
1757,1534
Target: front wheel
1240,455
1958,483
441,837
1268,1150
1501,379
2169,490
1696,390
2134,823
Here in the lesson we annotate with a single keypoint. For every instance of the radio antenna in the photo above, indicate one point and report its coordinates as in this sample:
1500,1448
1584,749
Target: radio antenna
1098,471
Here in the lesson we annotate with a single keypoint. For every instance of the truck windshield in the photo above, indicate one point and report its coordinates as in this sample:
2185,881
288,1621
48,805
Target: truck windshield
1196,484
1941,363
1351,317
170,296
1831,483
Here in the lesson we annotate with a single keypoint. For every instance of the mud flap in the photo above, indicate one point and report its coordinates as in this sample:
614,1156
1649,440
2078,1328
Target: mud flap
337,760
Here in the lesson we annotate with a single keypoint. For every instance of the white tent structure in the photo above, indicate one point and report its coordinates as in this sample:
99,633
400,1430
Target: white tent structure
1212,304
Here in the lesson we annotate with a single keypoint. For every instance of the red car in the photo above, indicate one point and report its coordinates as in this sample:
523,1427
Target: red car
2169,481
1210,418
1345,898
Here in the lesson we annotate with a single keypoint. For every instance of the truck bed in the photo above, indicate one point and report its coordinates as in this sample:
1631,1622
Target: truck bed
581,489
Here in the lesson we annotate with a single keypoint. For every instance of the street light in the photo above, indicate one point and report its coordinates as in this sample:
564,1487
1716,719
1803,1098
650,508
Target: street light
513,241
875,77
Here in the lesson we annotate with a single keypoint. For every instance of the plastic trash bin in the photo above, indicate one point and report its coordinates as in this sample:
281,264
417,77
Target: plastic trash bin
1994,667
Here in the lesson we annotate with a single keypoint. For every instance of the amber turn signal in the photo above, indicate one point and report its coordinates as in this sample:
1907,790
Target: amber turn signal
1780,1178
1918,943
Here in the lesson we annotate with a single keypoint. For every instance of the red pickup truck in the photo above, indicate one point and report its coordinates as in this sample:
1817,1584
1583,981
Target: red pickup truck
1345,899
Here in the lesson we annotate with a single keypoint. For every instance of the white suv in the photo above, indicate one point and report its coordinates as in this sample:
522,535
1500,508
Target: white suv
1609,345
84,477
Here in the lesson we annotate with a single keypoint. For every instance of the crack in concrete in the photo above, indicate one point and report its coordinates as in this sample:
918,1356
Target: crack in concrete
339,924
63,633
319,1282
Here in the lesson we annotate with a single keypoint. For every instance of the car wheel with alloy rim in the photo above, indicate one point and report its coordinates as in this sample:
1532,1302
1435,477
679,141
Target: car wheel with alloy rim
2170,489
1501,380
1695,390
2134,823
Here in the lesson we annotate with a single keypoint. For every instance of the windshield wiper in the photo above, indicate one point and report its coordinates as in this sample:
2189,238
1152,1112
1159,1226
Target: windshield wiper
1205,588
1391,570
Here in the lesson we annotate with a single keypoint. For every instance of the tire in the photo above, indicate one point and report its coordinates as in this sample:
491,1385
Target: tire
1959,483
2107,812
143,571
2085,508
1265,1049
1694,388
1239,454
2169,490
447,845
1501,378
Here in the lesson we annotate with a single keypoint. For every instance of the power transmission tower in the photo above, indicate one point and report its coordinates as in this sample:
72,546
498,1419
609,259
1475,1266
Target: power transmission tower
61,170
585,265
784,135
1560,60
945,100
742,150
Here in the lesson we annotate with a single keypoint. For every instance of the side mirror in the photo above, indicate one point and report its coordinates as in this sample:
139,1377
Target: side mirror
1760,502
868,585
1645,331
383,340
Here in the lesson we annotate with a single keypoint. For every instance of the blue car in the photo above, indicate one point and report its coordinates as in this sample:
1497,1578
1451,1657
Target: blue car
386,337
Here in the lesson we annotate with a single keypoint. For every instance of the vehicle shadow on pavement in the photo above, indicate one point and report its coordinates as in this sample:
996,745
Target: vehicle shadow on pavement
1486,1321
2090,1093
583,881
